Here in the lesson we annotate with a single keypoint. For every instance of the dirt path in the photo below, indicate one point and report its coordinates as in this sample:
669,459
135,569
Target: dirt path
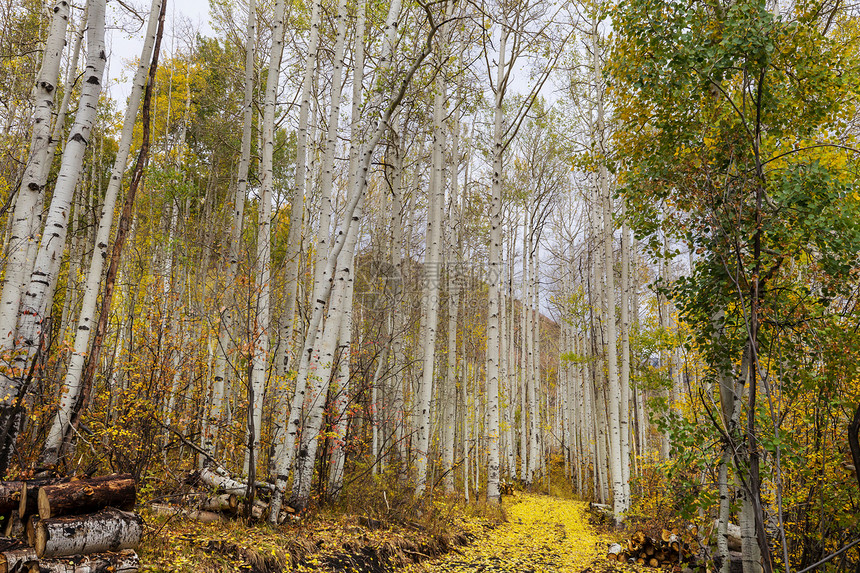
543,534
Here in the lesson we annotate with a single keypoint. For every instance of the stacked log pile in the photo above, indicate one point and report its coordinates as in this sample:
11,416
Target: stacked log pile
70,525
669,551
218,497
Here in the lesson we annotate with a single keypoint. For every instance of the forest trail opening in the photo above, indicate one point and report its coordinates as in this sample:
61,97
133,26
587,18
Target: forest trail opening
542,534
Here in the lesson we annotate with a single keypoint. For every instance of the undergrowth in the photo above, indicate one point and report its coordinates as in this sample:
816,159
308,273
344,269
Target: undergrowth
376,528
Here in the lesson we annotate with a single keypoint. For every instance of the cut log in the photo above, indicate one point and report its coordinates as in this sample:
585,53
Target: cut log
87,495
614,552
108,530
259,509
123,562
30,530
27,504
14,559
226,502
10,496
286,513
270,487
222,483
14,526
195,514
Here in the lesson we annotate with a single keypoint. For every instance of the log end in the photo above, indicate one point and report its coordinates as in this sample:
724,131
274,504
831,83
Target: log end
30,530
22,501
44,504
41,539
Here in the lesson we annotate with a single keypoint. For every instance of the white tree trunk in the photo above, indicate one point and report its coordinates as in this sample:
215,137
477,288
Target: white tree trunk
450,395
24,228
262,315
431,290
71,386
494,270
36,301
614,400
222,372
341,399
290,417
321,368
322,360
531,381
625,355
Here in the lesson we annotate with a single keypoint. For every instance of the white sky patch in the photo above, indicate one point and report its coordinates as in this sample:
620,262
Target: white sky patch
125,32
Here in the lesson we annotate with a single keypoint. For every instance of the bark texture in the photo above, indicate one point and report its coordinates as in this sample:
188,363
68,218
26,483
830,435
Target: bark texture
108,530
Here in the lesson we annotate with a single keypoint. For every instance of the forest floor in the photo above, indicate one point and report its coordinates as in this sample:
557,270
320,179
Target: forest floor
541,534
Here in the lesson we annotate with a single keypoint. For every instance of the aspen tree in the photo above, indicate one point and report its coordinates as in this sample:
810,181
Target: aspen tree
454,260
432,283
262,263
625,353
530,370
379,126
341,397
36,300
222,370
339,455
24,227
288,420
70,389
322,360
614,400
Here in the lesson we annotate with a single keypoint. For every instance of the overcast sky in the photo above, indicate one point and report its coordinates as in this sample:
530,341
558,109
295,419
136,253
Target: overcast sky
125,35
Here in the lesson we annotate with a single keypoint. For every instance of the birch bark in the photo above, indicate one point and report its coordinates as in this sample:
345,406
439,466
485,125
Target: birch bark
70,389
263,259
493,271
379,127
430,293
221,384
35,301
25,219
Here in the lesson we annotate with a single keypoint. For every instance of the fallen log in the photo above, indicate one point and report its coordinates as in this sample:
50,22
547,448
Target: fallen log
258,510
221,483
264,485
226,502
200,515
14,559
602,512
87,495
122,562
108,530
